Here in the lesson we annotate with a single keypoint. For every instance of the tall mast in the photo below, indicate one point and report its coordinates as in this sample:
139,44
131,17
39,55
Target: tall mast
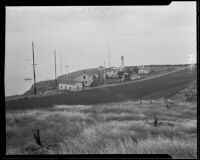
109,55
60,63
34,68
104,76
67,66
55,63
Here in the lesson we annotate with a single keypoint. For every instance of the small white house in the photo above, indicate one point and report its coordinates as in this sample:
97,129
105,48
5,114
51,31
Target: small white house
143,71
70,85
86,79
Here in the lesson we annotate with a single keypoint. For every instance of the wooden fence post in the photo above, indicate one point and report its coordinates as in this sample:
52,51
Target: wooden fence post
37,137
155,121
167,103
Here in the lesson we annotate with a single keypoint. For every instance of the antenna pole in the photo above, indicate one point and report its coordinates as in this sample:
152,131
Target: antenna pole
34,69
55,63
109,55
104,76
60,63
67,71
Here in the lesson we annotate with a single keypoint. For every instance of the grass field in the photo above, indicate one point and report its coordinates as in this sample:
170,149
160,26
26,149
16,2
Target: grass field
123,126
154,88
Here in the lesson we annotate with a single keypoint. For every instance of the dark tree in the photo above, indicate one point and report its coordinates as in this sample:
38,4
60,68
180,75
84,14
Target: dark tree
129,70
127,77
120,74
135,69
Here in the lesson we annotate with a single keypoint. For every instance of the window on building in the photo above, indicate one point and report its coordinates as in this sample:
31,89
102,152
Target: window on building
60,87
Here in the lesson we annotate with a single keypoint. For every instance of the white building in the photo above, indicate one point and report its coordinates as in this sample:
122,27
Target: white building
143,70
111,72
70,85
86,79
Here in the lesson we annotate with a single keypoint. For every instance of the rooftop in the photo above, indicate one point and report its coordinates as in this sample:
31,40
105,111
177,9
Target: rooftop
68,81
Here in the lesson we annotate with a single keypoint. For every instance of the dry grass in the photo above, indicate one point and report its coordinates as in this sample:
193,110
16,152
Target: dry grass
125,127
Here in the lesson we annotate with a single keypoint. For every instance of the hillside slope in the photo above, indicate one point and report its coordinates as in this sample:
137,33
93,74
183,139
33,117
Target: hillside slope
158,87
49,85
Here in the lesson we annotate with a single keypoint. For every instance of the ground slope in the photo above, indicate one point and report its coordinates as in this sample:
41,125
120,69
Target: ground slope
163,86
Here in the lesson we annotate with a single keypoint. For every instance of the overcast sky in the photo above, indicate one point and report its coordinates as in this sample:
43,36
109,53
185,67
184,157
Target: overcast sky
83,34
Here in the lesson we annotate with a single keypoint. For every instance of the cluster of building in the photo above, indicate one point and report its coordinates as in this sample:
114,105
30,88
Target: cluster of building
86,80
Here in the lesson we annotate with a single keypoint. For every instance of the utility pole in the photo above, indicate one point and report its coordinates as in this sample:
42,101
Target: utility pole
55,67
104,75
67,66
60,63
34,69
55,63
109,55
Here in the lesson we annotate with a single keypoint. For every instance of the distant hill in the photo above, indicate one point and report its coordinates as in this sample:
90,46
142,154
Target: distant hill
75,74
42,87
48,85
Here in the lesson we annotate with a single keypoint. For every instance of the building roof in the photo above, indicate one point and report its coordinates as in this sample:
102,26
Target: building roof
69,82
80,77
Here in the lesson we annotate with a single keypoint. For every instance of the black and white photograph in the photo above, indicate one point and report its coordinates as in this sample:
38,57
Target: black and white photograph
101,80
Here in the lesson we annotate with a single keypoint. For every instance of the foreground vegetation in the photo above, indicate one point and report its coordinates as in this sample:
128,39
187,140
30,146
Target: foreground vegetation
125,127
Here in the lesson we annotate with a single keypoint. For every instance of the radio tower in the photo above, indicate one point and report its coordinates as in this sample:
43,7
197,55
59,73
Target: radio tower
60,63
67,66
55,67
55,63
109,55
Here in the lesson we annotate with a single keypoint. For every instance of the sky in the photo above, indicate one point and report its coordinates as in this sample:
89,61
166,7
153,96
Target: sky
82,36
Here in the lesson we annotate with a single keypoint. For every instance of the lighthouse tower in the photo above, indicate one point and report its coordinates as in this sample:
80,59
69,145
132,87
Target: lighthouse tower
122,61
121,68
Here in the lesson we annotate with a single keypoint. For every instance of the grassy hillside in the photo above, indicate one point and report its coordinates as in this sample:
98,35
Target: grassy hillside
75,74
110,128
154,88
42,87
48,85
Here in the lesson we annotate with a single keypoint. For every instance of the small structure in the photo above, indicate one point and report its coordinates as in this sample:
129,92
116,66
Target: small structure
70,85
124,76
143,70
111,72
